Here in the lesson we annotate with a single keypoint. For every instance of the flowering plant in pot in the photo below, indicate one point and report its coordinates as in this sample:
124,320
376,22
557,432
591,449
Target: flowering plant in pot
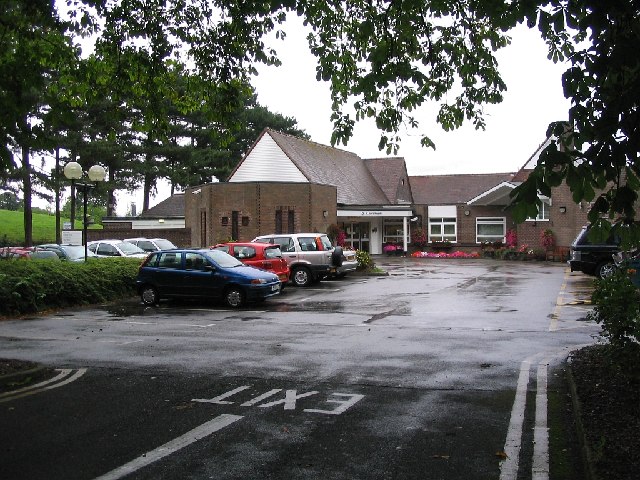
547,240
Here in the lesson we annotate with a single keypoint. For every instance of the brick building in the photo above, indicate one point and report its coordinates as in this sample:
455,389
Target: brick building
469,209
289,184
219,212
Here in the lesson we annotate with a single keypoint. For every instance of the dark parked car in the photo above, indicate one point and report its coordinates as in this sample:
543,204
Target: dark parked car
28,253
203,273
70,253
260,255
593,258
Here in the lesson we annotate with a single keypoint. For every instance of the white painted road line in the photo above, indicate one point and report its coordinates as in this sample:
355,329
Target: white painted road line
509,467
171,447
63,373
63,378
540,460
540,464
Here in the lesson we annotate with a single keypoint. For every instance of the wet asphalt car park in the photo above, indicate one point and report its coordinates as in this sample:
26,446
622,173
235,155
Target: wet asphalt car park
443,369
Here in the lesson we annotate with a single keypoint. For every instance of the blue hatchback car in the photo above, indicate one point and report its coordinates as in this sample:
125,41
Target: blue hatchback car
206,274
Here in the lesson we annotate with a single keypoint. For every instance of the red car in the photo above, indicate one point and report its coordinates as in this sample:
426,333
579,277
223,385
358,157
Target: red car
260,255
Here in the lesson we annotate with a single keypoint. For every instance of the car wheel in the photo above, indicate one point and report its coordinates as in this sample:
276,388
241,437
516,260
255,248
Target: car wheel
149,295
234,297
302,277
605,269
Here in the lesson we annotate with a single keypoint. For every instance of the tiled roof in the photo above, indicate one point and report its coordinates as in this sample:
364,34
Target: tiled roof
331,166
171,207
389,173
453,189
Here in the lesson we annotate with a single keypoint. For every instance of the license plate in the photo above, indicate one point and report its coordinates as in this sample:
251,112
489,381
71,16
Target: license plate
275,288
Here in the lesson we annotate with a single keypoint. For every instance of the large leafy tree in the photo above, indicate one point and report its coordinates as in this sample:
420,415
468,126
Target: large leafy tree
383,59
33,48
597,155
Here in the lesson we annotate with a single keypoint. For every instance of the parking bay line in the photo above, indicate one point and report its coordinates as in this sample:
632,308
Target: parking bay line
65,377
198,433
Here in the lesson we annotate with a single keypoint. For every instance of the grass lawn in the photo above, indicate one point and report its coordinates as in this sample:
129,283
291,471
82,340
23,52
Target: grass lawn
44,227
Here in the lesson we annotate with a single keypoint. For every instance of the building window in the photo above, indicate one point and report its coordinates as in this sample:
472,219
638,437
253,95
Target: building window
245,221
291,221
235,231
392,232
543,210
278,222
491,229
225,221
442,229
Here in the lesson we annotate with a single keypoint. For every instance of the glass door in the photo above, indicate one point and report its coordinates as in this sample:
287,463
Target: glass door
357,235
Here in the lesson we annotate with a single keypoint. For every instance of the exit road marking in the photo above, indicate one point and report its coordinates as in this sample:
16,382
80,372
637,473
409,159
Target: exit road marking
344,400
198,433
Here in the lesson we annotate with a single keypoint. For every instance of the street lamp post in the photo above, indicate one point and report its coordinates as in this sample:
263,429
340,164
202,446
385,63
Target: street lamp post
73,171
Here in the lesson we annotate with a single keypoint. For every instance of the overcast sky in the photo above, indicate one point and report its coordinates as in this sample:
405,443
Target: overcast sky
515,128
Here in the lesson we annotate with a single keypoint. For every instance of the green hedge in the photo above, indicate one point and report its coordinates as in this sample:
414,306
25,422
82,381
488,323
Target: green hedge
29,286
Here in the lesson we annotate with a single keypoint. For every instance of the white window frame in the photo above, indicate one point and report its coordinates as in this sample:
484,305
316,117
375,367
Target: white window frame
491,221
544,209
388,233
442,222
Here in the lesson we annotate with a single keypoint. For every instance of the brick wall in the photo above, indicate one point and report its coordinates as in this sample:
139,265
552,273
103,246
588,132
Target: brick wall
466,224
181,237
209,209
565,225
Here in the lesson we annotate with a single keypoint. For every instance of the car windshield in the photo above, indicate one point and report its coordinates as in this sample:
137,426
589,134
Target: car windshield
74,251
164,244
224,260
129,248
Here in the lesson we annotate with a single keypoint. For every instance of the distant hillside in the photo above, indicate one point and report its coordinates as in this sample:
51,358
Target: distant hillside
44,227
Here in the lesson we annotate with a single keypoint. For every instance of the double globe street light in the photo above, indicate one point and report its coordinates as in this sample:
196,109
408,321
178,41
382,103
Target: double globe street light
73,171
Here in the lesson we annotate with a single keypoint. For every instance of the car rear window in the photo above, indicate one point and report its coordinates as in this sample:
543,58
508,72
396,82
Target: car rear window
244,253
109,250
308,244
145,245
272,252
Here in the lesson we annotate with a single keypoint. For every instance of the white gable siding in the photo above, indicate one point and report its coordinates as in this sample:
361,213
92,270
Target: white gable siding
267,163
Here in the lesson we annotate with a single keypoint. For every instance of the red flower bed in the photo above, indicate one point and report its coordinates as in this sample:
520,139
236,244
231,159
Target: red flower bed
456,254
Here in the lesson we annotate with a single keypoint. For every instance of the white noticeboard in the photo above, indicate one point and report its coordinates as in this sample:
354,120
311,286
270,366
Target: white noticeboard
72,237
